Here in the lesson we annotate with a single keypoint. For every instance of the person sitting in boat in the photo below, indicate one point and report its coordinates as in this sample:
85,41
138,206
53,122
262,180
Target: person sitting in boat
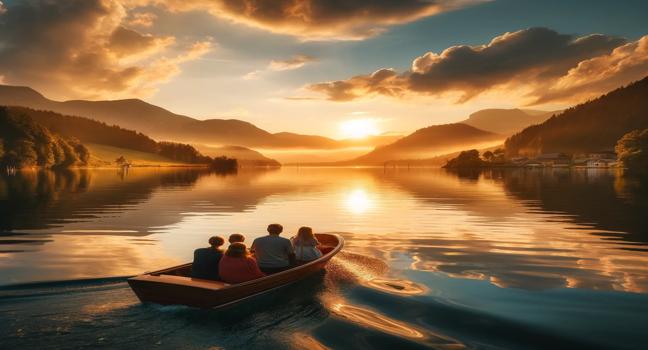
305,245
236,238
205,263
274,254
238,266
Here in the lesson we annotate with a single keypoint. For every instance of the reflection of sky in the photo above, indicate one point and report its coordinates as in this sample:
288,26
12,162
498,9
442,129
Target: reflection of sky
422,220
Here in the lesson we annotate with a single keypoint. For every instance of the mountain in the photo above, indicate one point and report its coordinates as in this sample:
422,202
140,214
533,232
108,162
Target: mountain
429,142
506,121
162,124
592,126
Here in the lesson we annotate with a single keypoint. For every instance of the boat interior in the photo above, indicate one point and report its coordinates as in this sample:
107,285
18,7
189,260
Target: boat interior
183,272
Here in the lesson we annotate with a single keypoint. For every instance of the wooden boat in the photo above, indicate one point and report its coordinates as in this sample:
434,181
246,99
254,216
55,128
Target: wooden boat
175,285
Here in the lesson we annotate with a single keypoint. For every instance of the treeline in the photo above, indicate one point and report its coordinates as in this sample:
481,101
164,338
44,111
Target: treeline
91,131
592,126
181,152
23,142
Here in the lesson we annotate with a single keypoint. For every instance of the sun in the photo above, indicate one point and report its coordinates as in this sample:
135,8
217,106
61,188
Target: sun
359,128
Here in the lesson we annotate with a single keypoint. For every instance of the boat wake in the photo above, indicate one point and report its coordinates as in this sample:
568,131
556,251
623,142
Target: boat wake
355,304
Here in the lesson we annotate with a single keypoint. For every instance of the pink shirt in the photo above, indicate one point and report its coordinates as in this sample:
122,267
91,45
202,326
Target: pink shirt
237,270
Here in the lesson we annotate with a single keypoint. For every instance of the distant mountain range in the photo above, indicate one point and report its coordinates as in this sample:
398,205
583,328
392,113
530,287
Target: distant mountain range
92,132
162,124
592,126
430,142
506,121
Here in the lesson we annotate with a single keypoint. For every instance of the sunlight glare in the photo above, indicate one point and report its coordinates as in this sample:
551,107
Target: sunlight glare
357,201
359,128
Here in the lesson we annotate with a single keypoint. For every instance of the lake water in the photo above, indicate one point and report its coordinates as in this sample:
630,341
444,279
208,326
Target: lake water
518,259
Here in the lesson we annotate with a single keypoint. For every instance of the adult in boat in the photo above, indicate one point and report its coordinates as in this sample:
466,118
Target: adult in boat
305,245
273,253
236,238
205,262
238,266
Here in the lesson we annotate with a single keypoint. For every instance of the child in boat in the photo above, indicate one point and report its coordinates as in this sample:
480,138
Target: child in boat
238,266
305,245
206,260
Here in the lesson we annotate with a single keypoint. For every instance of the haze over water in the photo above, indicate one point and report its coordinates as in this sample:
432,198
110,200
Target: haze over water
502,259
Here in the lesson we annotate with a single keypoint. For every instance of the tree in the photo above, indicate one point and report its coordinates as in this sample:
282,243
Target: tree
1,149
224,164
466,159
488,155
25,153
82,152
632,151
121,160
28,143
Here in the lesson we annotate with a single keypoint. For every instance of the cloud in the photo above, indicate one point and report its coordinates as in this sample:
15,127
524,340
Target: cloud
536,60
80,49
381,82
142,19
294,62
125,42
623,65
320,19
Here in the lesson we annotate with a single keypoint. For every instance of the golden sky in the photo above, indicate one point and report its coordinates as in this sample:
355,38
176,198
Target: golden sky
312,66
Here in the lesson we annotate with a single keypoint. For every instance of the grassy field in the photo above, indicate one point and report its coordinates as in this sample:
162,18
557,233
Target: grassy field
106,155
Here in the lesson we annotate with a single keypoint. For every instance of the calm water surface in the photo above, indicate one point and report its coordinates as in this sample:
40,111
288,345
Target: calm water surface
496,260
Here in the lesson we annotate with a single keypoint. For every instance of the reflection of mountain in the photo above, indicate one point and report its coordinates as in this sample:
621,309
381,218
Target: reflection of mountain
527,229
46,199
592,126
429,142
594,197
41,199
506,121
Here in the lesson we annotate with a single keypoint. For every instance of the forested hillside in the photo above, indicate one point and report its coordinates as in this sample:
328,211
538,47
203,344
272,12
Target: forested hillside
83,130
23,142
430,142
591,126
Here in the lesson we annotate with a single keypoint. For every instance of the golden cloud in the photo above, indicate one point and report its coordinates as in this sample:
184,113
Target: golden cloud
538,60
294,62
319,19
142,19
80,49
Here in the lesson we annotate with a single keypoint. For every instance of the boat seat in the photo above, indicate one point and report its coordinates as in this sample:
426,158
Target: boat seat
191,281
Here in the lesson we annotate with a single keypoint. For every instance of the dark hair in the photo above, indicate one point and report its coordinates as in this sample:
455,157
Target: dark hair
275,229
236,237
216,241
237,250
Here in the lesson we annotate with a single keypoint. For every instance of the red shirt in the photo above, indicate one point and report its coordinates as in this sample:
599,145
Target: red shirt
237,270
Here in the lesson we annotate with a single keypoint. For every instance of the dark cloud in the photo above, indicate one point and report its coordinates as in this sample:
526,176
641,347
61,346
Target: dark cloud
535,58
76,48
125,42
320,19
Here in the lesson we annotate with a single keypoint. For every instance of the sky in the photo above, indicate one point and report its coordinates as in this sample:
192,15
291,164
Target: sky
334,68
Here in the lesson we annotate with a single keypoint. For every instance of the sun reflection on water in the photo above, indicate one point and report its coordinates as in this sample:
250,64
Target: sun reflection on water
358,202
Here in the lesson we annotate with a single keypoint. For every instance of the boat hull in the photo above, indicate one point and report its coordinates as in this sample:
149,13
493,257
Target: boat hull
172,286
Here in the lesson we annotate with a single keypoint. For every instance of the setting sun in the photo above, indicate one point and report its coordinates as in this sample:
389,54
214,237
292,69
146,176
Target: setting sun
359,128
